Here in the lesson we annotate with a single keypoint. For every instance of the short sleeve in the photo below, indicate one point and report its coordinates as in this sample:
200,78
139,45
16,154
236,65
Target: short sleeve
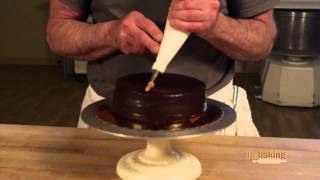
78,4
249,8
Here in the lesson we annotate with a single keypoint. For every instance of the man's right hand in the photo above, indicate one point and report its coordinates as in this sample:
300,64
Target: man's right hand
136,34
68,36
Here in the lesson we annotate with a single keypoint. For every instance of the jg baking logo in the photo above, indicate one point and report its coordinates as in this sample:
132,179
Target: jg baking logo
270,157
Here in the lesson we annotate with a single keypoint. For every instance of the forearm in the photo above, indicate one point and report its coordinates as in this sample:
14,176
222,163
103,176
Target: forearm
242,39
80,40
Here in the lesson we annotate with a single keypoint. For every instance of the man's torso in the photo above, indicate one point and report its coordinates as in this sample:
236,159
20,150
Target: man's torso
197,58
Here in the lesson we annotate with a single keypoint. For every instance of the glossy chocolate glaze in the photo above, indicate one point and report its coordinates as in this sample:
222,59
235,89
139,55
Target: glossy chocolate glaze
212,115
175,102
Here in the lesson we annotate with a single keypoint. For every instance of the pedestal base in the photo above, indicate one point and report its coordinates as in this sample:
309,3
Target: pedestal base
158,162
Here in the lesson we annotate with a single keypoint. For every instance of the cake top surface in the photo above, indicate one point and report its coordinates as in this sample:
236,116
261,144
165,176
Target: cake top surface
166,83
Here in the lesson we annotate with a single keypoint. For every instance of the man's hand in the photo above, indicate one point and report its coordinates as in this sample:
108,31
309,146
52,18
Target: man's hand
249,39
69,36
197,16
136,34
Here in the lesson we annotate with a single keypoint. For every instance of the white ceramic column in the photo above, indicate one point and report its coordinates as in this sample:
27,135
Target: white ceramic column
158,162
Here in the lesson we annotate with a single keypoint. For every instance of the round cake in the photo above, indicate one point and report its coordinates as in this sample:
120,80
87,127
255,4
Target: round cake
175,102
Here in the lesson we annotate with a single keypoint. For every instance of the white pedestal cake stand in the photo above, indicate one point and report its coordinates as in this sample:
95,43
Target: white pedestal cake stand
159,161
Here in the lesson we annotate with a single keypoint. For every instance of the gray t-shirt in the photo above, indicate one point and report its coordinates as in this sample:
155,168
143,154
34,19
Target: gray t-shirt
197,58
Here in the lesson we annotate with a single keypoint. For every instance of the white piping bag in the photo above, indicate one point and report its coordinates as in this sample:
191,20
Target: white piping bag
172,42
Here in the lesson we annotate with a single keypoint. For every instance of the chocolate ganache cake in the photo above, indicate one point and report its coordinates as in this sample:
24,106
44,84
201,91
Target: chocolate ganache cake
176,102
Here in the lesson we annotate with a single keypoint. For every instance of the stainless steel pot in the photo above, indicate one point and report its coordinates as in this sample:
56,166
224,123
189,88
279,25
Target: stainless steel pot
298,32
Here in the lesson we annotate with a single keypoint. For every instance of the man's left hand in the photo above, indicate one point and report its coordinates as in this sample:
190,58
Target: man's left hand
198,16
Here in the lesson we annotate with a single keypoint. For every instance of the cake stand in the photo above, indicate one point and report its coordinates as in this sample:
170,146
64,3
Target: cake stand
159,161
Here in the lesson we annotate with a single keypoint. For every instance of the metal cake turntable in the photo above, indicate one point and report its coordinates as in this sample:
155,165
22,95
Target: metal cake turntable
159,160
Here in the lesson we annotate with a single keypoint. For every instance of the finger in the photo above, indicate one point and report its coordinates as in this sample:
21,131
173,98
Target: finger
177,5
189,5
126,48
131,44
151,28
189,15
149,43
145,40
189,26
133,48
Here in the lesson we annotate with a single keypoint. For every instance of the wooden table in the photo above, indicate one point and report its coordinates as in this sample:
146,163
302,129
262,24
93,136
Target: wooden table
34,152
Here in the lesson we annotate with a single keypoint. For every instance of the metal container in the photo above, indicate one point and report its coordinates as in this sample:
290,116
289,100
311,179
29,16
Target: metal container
298,32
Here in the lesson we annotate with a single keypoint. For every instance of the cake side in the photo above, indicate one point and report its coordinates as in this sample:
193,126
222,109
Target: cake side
176,100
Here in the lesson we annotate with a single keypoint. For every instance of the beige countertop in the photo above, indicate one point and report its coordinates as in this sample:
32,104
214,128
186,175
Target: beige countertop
35,152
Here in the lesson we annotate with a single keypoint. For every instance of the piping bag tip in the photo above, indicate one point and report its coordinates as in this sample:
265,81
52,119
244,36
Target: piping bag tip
150,86
151,83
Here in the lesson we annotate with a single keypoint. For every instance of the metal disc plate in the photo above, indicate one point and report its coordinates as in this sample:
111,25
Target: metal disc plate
90,118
